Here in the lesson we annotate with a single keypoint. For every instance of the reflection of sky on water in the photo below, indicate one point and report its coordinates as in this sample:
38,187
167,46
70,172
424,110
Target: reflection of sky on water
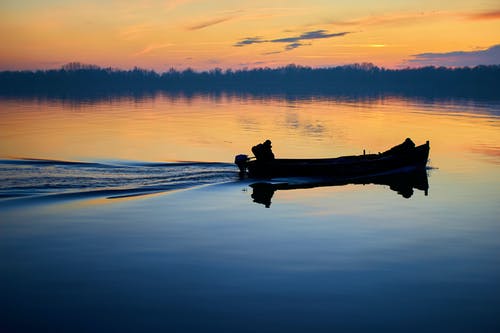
322,256
336,258
201,128
463,134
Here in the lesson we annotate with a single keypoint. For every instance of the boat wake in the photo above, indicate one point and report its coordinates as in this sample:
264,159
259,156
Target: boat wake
39,179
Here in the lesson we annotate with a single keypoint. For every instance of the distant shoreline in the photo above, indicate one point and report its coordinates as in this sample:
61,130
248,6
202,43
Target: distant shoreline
359,79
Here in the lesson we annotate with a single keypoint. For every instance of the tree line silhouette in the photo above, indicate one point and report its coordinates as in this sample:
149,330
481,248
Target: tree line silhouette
77,78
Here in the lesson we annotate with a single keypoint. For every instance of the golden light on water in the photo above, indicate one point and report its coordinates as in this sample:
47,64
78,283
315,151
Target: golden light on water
207,129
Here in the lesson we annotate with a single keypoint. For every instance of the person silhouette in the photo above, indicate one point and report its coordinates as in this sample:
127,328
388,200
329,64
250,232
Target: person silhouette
263,151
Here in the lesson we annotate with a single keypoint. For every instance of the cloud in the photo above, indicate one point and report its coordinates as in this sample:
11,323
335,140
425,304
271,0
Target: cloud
272,52
136,31
152,47
209,23
294,41
489,56
223,16
249,41
390,18
492,15
412,17
255,63
317,34
294,46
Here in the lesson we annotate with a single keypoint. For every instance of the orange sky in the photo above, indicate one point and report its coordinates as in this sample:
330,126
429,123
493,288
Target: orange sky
204,34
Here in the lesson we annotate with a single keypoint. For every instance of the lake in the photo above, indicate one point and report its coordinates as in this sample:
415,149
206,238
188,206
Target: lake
126,214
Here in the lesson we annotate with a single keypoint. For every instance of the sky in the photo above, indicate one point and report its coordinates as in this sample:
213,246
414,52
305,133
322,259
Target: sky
206,34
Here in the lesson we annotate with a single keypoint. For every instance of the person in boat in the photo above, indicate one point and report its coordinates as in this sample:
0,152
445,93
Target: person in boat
263,151
405,147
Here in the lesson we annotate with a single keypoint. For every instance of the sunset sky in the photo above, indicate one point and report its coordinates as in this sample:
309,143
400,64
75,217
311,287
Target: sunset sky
202,34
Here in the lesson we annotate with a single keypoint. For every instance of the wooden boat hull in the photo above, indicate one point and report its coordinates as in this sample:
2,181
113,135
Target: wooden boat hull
342,167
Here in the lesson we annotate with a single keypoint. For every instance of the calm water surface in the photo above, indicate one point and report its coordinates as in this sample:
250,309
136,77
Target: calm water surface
127,215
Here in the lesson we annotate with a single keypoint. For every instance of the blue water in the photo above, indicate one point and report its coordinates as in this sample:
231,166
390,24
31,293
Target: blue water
94,237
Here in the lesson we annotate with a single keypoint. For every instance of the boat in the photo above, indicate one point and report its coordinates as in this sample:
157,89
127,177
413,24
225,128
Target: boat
403,183
403,157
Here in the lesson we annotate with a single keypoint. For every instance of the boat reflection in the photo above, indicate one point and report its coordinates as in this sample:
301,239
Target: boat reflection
404,183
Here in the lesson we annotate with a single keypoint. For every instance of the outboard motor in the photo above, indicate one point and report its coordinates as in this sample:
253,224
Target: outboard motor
241,161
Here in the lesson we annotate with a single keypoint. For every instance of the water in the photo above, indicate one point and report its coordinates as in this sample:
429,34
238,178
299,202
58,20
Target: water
126,214
32,180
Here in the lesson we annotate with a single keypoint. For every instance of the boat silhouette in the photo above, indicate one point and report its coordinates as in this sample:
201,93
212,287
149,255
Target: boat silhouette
264,165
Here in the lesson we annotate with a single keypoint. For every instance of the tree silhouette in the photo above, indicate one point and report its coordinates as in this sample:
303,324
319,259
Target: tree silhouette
363,79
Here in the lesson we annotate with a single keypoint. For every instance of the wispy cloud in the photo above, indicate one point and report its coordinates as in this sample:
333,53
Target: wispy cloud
390,18
152,47
136,31
410,17
208,23
272,52
294,46
215,18
317,34
491,15
489,56
250,41
292,42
